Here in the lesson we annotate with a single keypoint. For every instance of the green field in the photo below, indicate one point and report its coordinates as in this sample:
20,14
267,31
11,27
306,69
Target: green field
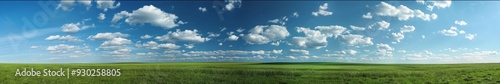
257,73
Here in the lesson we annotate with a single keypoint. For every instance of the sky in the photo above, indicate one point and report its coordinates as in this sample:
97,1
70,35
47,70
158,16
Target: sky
95,31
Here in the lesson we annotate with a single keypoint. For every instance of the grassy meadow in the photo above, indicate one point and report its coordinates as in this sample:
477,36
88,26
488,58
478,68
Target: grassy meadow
257,73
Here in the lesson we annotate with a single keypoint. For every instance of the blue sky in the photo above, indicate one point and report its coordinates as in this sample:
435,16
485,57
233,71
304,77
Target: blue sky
249,31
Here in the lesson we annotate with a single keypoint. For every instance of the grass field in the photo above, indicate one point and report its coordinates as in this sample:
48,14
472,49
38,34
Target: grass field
257,73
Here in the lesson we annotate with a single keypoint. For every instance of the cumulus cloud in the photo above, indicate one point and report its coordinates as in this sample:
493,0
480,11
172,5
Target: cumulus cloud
353,39
322,11
368,15
461,22
117,46
384,50
397,36
450,32
69,50
66,5
295,14
470,36
107,36
357,28
296,51
330,31
191,36
75,27
107,4
189,46
401,12
440,4
148,14
155,46
146,36
291,57
232,38
281,21
87,3
350,52
277,51
169,46
115,42
406,28
61,48
317,38
101,16
202,9
265,34
67,38
383,25
231,4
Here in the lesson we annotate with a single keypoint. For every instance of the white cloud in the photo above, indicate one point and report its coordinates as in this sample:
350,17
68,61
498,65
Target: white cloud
189,46
240,30
61,48
75,27
66,5
353,39
317,38
461,23
470,36
87,3
398,36
115,42
116,46
231,4
423,36
291,57
148,45
277,51
107,4
331,30
406,28
146,54
383,25
322,10
295,14
305,57
169,46
34,47
350,52
146,36
68,38
281,21
357,28
107,36
148,14
191,36
438,3
265,34
202,9
313,39
461,32
220,44
101,16
210,34
450,32
384,50
402,12
368,15
69,50
295,51
232,38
